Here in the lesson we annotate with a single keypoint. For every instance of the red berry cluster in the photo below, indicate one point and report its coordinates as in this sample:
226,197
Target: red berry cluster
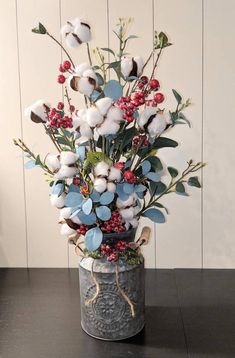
148,87
140,140
130,105
65,66
119,165
112,253
82,229
57,119
129,177
114,224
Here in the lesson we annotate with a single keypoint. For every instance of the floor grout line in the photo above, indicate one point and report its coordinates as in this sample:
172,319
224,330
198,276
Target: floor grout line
21,134
181,313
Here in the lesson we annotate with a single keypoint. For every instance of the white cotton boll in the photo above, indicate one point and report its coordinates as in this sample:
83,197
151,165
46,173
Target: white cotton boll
100,185
140,64
82,30
90,74
144,116
157,126
72,41
126,66
115,174
136,209
127,214
85,87
65,230
111,187
94,117
134,222
104,104
52,161
124,203
168,118
39,108
66,29
65,213
80,69
102,168
115,114
57,201
68,158
86,131
108,127
66,172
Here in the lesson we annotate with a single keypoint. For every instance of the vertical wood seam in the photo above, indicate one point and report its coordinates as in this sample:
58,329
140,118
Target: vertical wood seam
108,29
21,134
202,144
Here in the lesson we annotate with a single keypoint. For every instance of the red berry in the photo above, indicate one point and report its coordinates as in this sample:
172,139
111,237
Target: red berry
61,79
136,102
61,69
154,84
144,79
159,97
60,105
119,165
71,108
129,119
128,174
66,65
76,181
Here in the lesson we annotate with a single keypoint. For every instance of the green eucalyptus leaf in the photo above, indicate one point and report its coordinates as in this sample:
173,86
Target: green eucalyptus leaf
173,172
177,96
108,50
159,205
194,181
156,163
40,29
163,142
180,188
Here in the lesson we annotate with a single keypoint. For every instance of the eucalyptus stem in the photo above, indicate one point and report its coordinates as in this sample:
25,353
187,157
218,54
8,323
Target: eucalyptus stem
58,43
89,53
190,169
52,137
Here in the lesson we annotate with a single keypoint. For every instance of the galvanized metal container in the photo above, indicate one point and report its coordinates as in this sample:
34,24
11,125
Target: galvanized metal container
112,298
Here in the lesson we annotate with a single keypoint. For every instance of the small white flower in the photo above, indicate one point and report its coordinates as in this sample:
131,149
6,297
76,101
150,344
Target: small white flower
66,172
102,169
103,105
68,158
132,66
52,161
94,117
38,111
65,230
57,201
76,32
114,174
111,187
100,185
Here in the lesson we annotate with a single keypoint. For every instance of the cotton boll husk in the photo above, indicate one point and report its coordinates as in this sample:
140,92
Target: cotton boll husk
66,172
104,104
85,87
144,116
80,69
115,114
94,117
127,214
102,168
100,185
68,158
115,174
52,161
108,127
65,213
157,126
89,73
57,201
126,66
111,187
83,32
140,65
65,230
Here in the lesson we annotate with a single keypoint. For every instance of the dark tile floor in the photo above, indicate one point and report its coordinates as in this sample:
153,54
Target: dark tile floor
189,313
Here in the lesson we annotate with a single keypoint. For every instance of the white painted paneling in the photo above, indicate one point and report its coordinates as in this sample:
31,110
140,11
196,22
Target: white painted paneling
179,240
39,61
143,28
219,127
12,211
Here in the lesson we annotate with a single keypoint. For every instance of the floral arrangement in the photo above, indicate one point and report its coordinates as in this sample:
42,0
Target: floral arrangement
107,172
